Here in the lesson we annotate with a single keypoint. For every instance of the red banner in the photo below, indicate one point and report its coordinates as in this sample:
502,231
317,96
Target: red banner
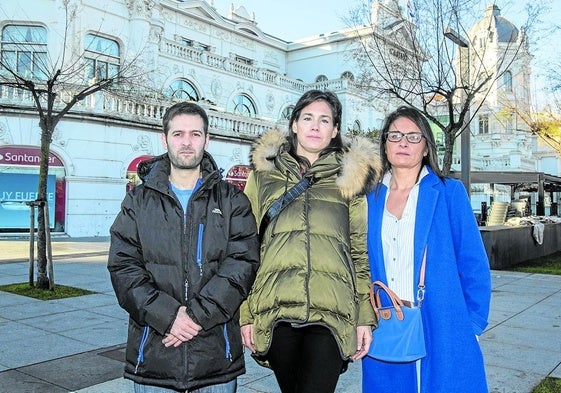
25,155
133,166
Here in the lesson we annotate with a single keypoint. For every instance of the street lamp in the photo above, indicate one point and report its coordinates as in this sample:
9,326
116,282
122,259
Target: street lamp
465,152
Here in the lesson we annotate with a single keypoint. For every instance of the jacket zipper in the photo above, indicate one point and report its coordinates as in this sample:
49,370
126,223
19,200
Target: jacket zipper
200,248
186,282
227,343
143,340
308,253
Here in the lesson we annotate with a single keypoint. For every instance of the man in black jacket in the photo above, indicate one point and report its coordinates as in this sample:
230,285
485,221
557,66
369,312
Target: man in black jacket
183,256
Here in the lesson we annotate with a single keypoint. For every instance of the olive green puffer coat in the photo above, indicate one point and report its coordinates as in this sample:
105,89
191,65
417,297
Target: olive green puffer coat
314,265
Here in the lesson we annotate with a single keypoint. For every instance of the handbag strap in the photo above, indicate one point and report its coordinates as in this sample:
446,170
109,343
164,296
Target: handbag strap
380,311
396,301
283,201
421,285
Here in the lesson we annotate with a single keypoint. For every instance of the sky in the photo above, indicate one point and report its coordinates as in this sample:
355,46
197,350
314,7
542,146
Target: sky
293,19
290,20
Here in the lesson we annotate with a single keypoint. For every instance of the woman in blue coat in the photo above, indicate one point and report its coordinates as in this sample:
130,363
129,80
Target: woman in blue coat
416,208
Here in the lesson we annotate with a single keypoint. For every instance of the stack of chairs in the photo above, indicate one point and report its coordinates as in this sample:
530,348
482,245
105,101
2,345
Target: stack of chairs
497,213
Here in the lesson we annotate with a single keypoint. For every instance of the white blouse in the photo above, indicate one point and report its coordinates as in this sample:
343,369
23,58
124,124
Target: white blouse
398,241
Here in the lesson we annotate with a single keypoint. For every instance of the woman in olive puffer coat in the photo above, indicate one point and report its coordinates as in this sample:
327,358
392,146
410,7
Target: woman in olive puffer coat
308,313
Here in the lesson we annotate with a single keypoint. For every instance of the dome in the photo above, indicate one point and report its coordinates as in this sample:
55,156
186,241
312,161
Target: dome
494,22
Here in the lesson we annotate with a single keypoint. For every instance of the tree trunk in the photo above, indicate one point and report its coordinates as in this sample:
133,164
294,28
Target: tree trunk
448,152
42,276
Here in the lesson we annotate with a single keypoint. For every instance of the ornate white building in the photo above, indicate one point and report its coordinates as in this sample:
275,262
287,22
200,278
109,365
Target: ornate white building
247,80
501,140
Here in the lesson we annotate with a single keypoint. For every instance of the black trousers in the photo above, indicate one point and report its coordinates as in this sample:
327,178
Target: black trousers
305,359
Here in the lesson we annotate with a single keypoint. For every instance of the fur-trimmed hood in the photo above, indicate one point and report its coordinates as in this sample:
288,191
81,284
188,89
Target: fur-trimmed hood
360,165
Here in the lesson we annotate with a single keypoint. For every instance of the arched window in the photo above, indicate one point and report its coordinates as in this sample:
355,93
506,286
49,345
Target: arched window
183,89
243,105
287,112
24,51
348,75
321,78
102,57
507,79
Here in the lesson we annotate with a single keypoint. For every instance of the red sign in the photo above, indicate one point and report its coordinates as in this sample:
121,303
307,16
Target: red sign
238,172
19,155
237,175
133,166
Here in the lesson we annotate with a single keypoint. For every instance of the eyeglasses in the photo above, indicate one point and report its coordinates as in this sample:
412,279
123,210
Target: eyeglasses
412,137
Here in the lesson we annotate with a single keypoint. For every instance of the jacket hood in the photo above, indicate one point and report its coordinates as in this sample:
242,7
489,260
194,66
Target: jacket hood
361,167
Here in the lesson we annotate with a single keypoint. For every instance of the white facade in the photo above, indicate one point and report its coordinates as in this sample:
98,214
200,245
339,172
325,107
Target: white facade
247,80
501,140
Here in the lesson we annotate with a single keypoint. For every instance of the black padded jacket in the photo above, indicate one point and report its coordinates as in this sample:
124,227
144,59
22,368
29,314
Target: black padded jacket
161,259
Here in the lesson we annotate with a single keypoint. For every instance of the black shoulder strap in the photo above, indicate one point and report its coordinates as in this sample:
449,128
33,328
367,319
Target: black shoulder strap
283,201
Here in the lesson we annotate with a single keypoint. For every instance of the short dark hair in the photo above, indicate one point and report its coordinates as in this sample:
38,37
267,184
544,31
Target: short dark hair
413,114
185,108
336,110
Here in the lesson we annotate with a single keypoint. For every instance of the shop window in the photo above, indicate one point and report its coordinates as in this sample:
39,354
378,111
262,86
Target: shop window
19,177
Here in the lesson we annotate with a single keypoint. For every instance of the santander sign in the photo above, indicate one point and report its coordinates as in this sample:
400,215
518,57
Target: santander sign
16,155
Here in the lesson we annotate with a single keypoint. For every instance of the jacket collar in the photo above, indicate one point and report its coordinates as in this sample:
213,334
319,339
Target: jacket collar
155,172
358,167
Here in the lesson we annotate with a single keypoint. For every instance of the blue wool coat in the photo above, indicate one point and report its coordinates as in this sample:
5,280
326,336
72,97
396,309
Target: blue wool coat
458,292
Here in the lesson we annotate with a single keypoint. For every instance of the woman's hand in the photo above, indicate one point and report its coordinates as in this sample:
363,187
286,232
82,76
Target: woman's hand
247,337
364,339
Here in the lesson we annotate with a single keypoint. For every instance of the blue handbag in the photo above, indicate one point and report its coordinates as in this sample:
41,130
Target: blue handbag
399,337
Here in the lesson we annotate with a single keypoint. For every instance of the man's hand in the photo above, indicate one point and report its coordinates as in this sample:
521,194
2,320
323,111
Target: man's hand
247,337
364,339
182,330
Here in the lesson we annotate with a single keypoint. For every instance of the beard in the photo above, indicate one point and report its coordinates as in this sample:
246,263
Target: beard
180,161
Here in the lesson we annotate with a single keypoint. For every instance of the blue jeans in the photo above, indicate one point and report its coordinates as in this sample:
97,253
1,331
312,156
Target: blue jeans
228,387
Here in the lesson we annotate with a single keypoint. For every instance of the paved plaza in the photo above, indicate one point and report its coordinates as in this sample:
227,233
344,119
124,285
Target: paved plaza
77,344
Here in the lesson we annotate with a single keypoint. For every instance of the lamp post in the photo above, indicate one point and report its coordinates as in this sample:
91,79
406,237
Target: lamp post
465,137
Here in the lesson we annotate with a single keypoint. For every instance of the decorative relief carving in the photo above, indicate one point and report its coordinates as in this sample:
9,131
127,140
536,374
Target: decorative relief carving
222,35
243,42
169,16
140,7
143,144
270,101
156,33
5,135
194,25
216,89
237,154
271,58
57,137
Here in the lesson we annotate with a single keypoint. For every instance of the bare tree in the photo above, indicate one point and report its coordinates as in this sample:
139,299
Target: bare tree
430,60
57,79
545,124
